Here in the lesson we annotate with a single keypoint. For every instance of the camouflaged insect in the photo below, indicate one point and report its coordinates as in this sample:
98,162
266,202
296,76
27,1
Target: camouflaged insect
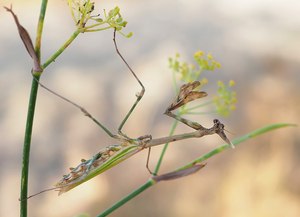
85,170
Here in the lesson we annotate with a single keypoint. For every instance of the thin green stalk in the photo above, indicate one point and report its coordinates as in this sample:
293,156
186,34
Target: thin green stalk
201,105
215,151
97,30
163,152
40,29
61,49
236,142
26,147
30,118
201,113
127,198
31,110
173,127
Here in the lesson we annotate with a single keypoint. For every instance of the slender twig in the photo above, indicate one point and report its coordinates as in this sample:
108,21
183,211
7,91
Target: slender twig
35,54
215,151
61,49
152,181
163,152
238,141
201,105
26,147
130,196
39,31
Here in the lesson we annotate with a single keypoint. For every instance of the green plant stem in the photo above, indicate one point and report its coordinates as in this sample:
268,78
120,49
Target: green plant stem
215,151
201,105
30,117
201,113
31,106
32,103
26,147
236,142
121,202
40,28
61,49
163,152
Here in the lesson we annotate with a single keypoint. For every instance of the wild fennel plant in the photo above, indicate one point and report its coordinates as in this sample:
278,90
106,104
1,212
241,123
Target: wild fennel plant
86,21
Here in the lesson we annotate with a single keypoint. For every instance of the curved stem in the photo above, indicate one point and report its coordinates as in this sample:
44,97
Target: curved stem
235,142
215,151
127,198
30,117
163,152
61,49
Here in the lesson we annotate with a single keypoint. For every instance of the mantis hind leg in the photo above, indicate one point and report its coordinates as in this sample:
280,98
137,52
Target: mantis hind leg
138,96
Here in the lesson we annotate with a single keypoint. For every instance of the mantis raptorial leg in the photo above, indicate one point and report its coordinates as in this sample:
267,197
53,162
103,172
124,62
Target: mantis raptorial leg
138,95
115,154
187,93
83,110
120,135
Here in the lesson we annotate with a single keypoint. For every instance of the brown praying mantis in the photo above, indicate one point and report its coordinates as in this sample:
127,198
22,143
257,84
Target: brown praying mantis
112,155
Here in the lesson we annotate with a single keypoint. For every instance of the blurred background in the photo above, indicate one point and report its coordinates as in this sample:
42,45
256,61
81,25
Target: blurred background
258,44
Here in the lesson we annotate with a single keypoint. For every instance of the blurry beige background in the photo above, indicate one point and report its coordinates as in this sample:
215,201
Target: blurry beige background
258,45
